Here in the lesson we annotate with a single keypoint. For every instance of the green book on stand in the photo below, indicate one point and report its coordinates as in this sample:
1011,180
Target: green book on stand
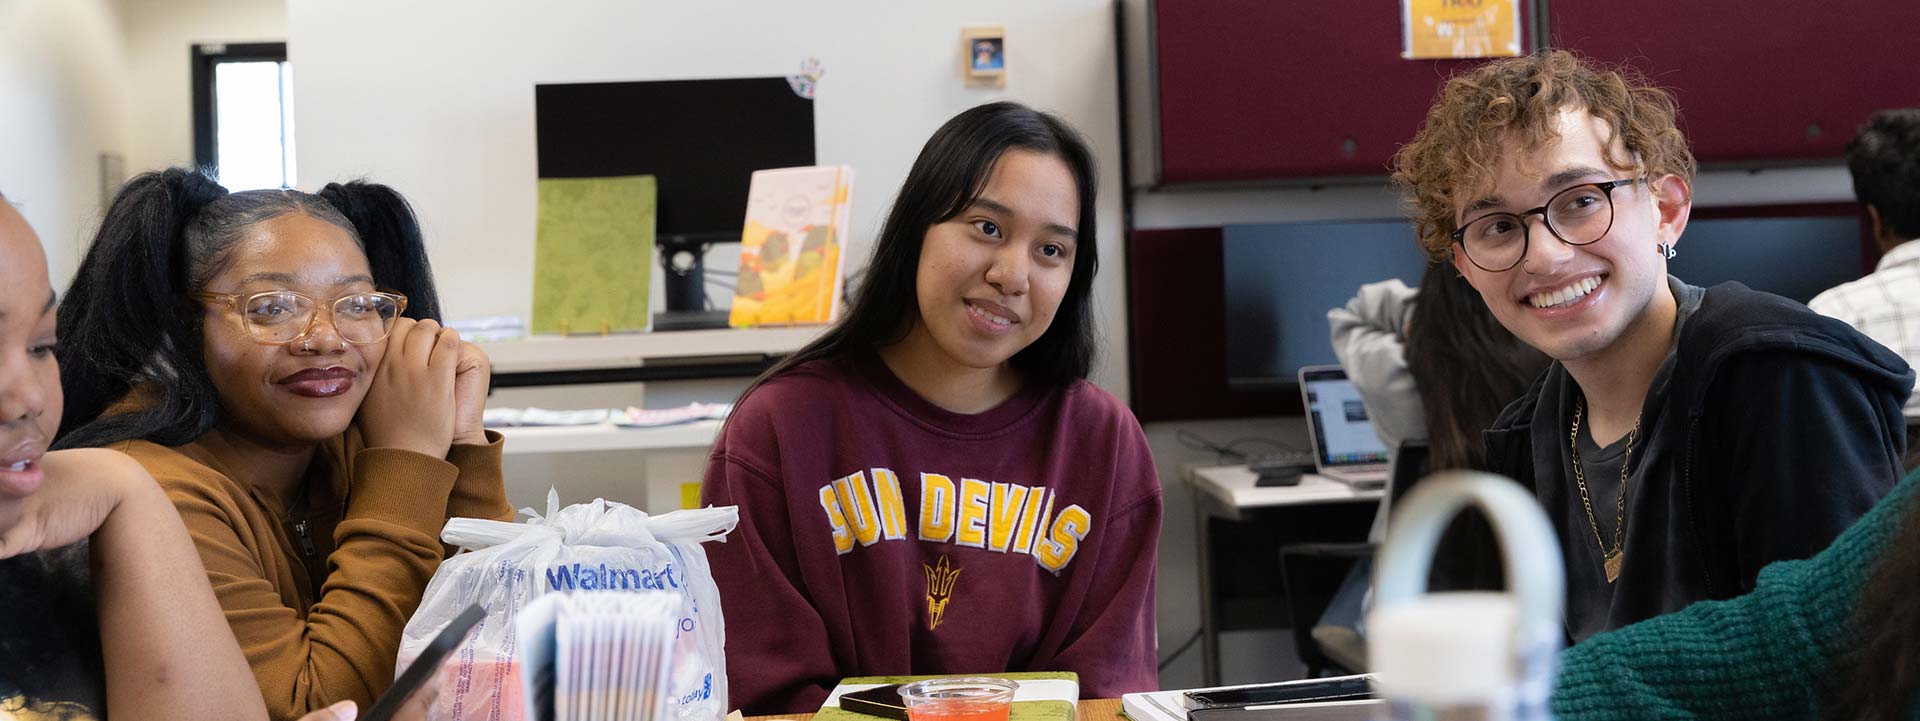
1042,696
593,255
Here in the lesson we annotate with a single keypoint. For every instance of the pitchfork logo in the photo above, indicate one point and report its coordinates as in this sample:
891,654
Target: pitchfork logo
940,578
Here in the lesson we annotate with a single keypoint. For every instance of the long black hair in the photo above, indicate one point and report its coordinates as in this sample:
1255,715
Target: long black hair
1879,679
51,640
949,175
1466,366
128,322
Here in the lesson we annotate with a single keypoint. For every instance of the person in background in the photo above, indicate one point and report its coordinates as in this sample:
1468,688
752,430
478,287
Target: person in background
1831,638
1885,161
933,486
249,350
103,605
1369,337
1676,448
1466,366
1431,365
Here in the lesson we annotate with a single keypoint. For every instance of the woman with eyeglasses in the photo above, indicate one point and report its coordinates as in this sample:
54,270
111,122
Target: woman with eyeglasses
272,359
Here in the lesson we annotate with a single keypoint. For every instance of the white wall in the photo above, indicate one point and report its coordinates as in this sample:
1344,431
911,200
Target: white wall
160,35
83,77
62,104
435,97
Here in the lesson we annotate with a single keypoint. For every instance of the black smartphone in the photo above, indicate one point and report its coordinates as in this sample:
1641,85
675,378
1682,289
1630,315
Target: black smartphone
883,701
1342,688
424,667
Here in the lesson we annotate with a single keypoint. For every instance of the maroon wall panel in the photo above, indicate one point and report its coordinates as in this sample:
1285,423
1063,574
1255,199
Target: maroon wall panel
1256,89
1267,89
1753,78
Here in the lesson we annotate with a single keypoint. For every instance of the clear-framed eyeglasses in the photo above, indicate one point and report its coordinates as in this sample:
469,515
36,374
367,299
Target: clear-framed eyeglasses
283,316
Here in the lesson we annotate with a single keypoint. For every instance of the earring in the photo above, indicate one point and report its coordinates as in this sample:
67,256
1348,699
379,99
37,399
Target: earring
1667,250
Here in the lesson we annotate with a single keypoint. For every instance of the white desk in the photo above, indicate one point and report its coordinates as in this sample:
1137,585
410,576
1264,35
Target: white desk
1231,490
1229,493
607,437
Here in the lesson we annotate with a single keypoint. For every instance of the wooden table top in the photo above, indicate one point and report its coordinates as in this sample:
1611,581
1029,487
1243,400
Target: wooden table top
1099,709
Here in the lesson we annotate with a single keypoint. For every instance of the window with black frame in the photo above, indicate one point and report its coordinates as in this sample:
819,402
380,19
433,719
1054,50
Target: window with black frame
243,114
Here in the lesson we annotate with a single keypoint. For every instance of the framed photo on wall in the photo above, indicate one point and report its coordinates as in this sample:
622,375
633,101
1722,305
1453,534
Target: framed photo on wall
986,56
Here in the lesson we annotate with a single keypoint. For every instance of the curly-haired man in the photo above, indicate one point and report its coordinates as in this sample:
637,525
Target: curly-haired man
1683,437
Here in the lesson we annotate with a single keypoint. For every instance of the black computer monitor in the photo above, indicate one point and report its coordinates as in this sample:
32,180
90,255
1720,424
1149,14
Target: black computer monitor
1282,278
1797,256
1222,317
701,140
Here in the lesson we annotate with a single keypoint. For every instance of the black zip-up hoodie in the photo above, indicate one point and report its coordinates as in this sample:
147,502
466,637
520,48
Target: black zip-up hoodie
1775,428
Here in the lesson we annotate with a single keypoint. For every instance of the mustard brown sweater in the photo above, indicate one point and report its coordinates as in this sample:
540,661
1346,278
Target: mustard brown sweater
318,594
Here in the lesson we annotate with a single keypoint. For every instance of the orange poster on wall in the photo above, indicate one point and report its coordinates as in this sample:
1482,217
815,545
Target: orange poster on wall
1460,29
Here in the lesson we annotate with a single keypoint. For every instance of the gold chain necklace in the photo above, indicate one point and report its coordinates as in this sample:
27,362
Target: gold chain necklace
1610,558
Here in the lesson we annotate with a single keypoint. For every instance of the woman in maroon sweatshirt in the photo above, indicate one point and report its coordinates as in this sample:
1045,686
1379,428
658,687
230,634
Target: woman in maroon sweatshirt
933,486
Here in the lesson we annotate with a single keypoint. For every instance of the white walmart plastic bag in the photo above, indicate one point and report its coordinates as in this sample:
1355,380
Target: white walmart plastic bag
583,547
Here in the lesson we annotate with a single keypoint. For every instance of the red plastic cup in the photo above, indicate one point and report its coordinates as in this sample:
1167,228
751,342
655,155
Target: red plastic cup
975,698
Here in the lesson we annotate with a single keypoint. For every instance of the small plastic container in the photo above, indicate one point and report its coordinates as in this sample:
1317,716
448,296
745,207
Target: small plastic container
975,698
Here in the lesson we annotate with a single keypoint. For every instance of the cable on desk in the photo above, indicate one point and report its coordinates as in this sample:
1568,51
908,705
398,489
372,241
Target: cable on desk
1200,443
1195,441
1268,441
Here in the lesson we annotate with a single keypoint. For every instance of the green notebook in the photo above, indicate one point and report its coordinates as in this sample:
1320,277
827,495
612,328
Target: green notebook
1043,696
593,254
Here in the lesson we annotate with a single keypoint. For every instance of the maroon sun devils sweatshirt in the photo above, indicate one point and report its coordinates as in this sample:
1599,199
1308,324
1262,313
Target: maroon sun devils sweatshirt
882,535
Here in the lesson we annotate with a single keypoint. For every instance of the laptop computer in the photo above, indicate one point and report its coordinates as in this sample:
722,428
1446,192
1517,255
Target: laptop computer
1345,448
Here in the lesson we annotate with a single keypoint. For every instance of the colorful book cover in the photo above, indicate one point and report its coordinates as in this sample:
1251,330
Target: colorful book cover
1042,696
593,254
792,248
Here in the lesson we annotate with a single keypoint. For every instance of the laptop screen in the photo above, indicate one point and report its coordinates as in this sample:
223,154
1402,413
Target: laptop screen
1341,431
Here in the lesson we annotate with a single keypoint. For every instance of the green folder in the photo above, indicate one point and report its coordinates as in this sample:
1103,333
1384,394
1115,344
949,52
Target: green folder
1022,710
593,254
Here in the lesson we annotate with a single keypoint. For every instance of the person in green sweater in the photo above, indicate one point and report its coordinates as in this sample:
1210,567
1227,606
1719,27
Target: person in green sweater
1836,636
